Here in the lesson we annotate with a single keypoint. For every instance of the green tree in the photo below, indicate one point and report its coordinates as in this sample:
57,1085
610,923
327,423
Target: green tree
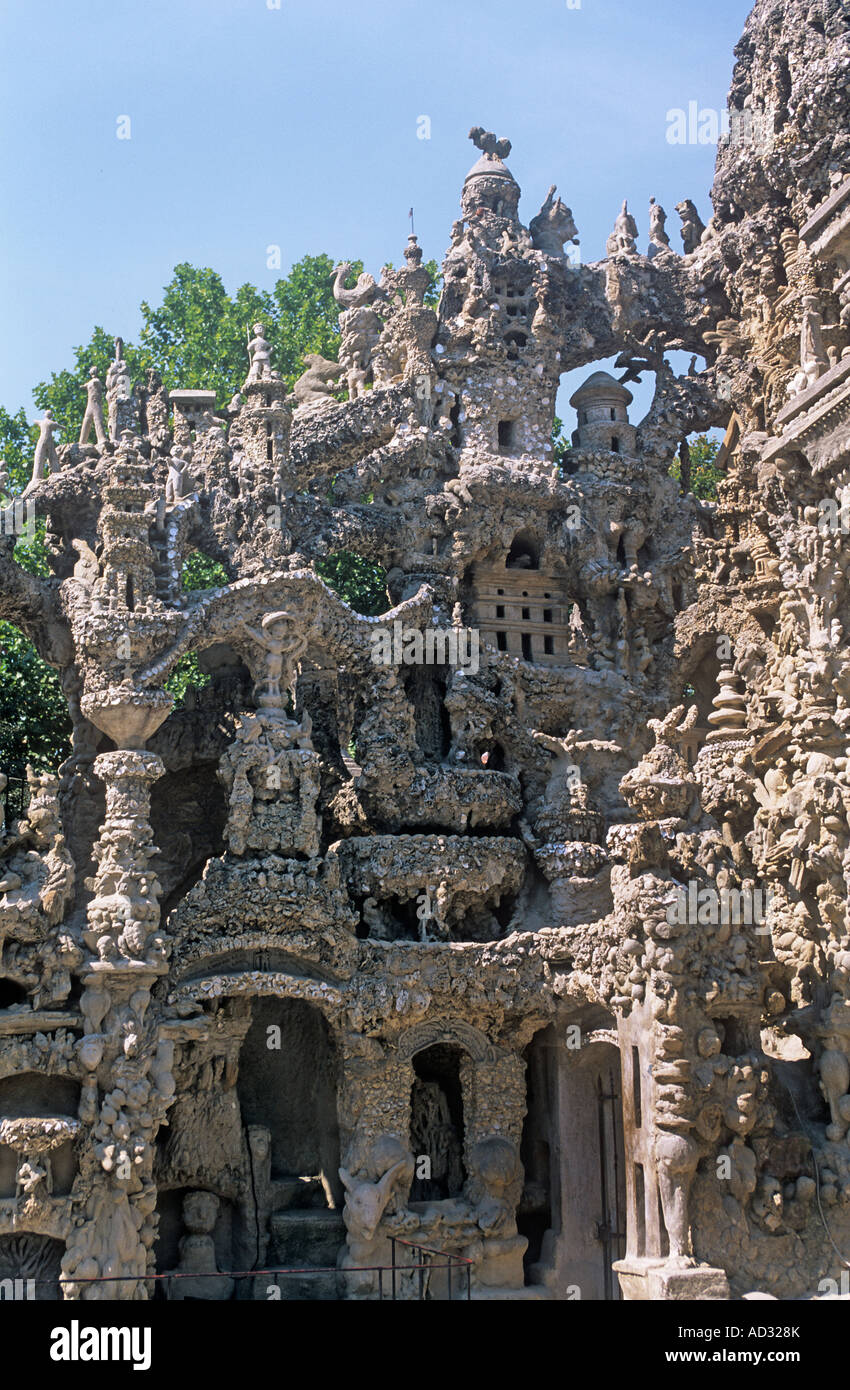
34,722
17,437
35,726
65,392
358,582
561,445
200,571
195,338
705,476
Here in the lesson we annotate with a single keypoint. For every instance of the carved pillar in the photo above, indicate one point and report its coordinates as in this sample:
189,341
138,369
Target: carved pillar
131,1084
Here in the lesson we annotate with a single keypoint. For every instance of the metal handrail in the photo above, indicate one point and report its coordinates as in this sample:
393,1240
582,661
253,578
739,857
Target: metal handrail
446,1261
452,1262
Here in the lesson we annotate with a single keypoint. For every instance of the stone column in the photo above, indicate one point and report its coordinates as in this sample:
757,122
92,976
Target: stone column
131,1084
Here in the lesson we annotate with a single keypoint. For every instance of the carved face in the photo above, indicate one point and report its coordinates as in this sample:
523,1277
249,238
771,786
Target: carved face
200,1210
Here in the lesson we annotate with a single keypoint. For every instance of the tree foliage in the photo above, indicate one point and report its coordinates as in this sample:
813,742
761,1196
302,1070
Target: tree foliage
34,723
705,476
196,338
358,582
17,437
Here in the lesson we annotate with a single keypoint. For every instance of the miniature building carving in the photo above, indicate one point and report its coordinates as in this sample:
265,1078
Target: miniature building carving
513,959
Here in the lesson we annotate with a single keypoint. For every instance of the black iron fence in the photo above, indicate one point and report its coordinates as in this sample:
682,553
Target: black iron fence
410,1278
422,1264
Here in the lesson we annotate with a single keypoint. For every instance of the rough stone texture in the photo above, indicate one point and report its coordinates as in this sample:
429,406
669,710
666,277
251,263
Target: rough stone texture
446,936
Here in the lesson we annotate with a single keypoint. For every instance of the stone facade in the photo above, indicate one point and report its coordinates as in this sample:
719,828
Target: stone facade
540,959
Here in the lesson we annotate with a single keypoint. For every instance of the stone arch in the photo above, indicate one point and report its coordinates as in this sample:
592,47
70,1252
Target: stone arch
31,1095
204,988
524,552
454,1032
33,1255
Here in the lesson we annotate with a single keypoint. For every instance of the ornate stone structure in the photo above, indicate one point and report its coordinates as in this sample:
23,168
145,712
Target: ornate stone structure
542,961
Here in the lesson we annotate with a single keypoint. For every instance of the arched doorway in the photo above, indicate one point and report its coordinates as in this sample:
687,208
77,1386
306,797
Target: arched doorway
437,1123
573,1207
287,1091
288,1083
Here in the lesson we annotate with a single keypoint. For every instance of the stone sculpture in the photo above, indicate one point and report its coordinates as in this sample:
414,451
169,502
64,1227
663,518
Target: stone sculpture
318,382
623,238
658,238
259,352
45,456
552,226
692,225
93,418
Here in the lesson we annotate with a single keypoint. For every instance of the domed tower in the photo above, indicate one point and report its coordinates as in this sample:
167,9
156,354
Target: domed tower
501,316
490,186
602,406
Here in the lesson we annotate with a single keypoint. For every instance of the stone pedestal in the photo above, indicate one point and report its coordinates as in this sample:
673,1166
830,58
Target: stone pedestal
663,1281
272,788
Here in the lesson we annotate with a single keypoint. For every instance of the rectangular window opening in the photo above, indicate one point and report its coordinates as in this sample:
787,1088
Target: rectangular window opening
636,1099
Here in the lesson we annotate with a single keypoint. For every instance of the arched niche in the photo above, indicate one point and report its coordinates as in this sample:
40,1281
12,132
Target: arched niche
34,1094
524,552
30,1255
287,1083
437,1122
447,1031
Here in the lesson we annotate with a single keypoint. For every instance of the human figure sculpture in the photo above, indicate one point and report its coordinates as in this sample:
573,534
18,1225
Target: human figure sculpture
178,464
813,356
356,376
93,418
259,351
676,1156
658,238
283,646
564,775
198,1267
45,452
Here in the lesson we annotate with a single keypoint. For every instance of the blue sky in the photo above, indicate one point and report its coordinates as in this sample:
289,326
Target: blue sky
253,125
